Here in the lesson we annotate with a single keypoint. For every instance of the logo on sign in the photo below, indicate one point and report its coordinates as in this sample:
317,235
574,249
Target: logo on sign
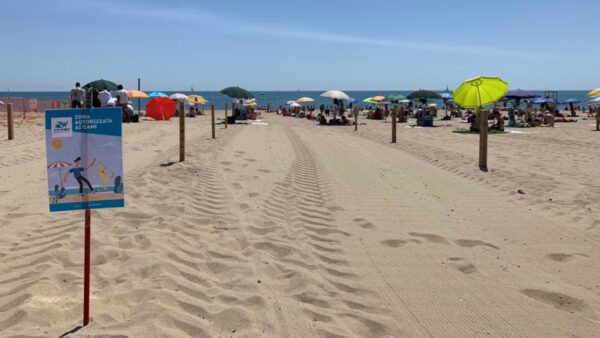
62,126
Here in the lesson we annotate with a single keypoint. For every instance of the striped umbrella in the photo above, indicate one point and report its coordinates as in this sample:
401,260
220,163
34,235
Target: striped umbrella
59,164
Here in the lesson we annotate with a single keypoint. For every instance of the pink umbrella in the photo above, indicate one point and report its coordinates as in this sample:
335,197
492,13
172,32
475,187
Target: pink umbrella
1,102
295,104
59,164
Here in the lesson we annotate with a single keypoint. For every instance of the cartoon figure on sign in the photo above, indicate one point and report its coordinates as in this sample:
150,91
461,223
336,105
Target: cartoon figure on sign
77,174
102,174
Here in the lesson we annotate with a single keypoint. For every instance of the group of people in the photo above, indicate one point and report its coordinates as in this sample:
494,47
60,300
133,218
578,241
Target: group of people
93,98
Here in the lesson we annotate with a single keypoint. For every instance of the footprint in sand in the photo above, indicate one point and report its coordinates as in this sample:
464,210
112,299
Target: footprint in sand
266,171
462,265
559,301
470,243
253,194
237,186
250,159
396,243
363,223
563,257
430,237
226,163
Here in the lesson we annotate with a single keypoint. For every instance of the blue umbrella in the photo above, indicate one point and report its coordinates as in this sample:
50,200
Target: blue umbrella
158,94
446,95
571,101
542,100
351,100
519,94
595,100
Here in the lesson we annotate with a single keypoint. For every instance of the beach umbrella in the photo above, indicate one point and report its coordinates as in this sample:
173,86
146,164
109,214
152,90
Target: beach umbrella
161,108
595,92
570,102
136,94
196,99
370,100
423,95
290,102
476,93
250,104
295,104
394,97
544,100
432,105
335,94
446,96
178,96
305,99
237,93
1,102
101,84
595,100
518,94
59,165
158,94
378,98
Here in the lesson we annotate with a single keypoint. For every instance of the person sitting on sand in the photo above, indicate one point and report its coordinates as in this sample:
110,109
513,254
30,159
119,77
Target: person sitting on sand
475,122
499,125
346,122
321,119
548,120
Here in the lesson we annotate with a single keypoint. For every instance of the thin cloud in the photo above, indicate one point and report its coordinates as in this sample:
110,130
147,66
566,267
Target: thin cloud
229,24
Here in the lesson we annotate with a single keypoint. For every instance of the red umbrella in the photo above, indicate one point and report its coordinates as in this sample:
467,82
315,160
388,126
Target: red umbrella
160,108
59,164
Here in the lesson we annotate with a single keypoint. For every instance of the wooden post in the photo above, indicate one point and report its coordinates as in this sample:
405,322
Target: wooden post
212,119
11,122
86,268
483,137
355,118
225,115
139,100
394,119
181,132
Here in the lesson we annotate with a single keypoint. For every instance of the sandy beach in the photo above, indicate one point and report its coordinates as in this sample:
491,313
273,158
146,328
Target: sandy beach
289,229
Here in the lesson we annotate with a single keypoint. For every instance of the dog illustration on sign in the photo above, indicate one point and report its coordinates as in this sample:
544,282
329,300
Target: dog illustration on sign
102,174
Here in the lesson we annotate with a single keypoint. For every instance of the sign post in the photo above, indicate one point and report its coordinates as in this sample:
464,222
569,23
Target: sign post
85,168
86,268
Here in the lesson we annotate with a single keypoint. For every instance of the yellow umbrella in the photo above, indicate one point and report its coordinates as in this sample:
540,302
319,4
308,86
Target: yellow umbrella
431,105
251,104
136,94
197,99
476,93
304,99
378,98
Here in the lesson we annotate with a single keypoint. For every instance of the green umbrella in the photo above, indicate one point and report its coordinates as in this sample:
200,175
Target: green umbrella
423,95
100,84
368,100
237,93
394,98
476,93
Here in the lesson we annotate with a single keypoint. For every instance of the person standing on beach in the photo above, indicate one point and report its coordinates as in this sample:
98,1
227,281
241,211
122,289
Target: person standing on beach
104,96
122,101
76,96
77,174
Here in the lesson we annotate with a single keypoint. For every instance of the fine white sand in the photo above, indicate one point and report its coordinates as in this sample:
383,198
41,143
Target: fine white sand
297,230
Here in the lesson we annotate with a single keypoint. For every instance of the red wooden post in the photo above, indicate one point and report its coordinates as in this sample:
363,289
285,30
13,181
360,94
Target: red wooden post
86,269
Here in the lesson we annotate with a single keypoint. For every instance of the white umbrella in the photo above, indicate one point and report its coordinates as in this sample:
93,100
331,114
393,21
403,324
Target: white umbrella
404,101
335,94
178,96
295,104
290,102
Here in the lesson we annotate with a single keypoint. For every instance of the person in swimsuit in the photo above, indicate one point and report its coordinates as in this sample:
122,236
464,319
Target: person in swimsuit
77,171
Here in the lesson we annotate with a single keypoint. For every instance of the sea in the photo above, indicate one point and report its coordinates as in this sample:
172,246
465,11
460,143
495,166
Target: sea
279,98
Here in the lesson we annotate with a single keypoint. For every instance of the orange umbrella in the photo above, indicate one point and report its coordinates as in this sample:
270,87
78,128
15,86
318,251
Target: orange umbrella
136,94
305,99
378,98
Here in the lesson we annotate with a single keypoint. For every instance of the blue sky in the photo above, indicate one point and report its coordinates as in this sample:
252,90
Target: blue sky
289,45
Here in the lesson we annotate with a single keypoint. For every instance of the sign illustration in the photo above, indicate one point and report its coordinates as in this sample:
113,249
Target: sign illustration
84,159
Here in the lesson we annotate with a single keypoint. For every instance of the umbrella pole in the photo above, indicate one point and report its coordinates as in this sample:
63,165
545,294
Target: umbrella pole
60,178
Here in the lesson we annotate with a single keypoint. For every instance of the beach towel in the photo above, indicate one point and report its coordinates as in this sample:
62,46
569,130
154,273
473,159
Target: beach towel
491,131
